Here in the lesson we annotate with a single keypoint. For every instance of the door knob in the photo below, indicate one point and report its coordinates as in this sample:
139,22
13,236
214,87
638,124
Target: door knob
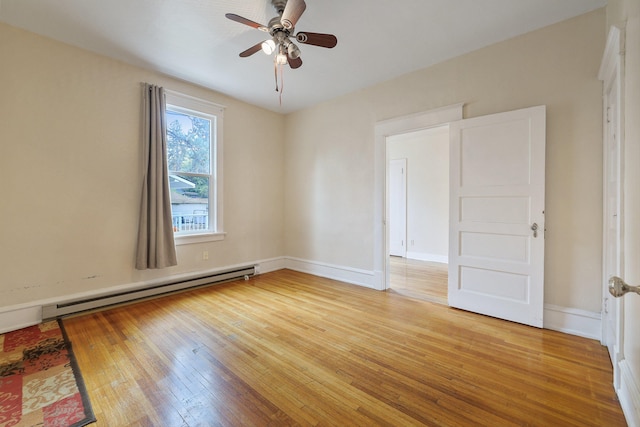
534,227
618,288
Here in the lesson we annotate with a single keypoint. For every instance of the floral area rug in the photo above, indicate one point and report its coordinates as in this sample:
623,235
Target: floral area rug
40,382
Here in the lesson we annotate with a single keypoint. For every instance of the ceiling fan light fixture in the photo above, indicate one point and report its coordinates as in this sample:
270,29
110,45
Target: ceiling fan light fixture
268,46
281,59
293,51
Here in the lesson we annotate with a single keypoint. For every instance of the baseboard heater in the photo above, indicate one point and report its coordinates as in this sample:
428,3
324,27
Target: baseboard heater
71,307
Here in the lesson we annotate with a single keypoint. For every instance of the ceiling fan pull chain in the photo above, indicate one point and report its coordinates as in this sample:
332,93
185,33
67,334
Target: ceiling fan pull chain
281,82
275,74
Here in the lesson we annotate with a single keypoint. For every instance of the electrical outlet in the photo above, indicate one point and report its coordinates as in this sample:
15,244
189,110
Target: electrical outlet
205,255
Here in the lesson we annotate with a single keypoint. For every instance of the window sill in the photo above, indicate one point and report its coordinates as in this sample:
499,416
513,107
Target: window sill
187,239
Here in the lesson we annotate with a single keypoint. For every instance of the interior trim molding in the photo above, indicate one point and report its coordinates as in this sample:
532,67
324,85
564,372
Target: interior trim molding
582,323
269,265
349,275
612,50
20,317
422,256
629,394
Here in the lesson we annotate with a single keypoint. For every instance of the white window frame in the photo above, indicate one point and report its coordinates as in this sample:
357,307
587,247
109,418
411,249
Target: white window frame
186,104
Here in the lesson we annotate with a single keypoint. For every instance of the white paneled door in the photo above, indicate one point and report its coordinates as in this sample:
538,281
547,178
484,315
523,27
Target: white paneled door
612,241
613,313
398,207
496,248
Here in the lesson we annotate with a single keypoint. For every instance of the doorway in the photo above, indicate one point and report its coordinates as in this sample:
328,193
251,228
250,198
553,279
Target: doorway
384,130
419,213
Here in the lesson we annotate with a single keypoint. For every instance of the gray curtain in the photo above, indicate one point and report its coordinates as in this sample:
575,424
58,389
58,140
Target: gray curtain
156,246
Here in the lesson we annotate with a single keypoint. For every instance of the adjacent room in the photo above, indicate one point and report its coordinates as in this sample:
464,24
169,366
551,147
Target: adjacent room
272,212
418,200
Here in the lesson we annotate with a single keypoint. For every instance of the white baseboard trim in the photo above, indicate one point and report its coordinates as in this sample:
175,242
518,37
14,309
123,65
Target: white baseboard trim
572,321
269,265
629,394
421,256
28,314
350,275
568,320
20,317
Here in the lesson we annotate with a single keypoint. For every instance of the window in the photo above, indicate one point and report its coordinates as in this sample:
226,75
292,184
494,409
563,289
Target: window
194,155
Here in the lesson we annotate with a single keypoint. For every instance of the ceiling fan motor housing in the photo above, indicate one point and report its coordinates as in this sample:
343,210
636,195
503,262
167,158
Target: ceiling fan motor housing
279,5
275,25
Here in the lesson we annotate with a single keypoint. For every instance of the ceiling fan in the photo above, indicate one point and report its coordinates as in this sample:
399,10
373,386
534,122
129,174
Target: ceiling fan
281,29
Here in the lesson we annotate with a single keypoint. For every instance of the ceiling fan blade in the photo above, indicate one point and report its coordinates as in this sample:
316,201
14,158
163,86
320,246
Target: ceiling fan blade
294,62
317,39
253,49
292,12
246,21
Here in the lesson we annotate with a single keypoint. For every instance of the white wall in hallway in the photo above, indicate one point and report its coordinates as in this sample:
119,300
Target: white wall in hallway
427,154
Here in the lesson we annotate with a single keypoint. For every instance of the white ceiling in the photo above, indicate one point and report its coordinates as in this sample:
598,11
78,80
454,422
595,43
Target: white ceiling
377,39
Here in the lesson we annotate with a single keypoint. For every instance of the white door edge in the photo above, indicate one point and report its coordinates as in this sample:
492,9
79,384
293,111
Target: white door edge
611,73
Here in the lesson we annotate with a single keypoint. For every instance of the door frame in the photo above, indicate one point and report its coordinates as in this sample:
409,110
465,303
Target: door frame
383,130
611,73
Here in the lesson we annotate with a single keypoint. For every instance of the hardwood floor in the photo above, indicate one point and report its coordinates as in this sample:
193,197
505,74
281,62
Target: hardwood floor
286,348
419,279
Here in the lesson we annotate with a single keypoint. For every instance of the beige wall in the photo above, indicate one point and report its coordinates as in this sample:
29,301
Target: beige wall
329,150
70,162
626,15
71,179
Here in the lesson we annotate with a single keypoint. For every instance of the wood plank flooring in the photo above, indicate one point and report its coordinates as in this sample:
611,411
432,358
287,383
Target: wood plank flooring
419,279
286,348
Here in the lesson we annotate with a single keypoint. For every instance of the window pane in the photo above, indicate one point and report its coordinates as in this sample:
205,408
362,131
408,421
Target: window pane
188,143
189,202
